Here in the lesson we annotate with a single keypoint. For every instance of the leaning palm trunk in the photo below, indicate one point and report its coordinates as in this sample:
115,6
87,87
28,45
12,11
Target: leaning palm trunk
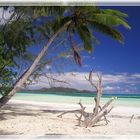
26,75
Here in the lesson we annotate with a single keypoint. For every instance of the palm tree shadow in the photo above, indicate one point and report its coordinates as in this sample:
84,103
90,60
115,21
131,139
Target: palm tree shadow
2,132
52,111
12,112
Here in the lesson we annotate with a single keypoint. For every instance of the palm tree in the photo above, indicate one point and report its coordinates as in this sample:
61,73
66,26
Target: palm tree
75,20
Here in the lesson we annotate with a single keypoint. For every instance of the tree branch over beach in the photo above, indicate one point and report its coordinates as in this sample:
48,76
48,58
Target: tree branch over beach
70,21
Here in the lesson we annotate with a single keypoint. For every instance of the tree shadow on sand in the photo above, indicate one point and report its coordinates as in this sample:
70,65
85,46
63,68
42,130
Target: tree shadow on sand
10,112
2,132
52,111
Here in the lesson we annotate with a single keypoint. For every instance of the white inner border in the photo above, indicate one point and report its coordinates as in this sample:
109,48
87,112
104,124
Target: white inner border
71,2
65,3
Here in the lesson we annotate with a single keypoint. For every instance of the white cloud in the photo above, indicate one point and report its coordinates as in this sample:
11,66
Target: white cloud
88,56
48,67
126,90
77,80
137,75
5,14
132,84
111,88
108,88
69,56
86,66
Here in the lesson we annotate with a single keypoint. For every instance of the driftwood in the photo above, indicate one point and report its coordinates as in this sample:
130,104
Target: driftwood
87,119
131,118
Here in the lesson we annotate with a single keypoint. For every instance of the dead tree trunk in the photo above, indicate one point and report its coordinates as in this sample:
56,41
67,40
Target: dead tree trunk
90,119
99,94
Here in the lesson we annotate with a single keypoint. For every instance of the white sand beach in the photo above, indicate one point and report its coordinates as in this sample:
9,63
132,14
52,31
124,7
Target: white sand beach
31,118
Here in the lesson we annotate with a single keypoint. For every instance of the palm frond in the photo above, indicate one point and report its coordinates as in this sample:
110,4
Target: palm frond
115,12
110,20
110,31
59,22
49,10
85,36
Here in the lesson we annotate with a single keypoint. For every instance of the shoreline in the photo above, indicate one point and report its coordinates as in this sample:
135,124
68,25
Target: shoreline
26,118
75,99
122,110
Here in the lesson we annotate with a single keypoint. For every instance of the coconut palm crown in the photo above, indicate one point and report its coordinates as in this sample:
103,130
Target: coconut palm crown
85,20
80,20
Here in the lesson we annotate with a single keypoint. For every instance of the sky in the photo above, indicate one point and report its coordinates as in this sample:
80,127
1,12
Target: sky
110,56
119,63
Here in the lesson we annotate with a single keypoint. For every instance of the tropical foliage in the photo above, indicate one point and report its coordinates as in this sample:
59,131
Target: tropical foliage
85,21
13,43
17,33
29,25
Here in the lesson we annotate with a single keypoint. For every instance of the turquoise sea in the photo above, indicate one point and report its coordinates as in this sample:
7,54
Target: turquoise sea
126,99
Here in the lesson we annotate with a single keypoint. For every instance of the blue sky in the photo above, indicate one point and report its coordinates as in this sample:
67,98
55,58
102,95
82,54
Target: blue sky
113,57
110,56
120,63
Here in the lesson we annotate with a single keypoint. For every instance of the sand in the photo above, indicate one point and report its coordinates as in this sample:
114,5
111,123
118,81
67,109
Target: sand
40,119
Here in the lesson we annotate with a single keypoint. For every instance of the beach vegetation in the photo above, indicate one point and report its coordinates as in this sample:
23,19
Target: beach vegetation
82,21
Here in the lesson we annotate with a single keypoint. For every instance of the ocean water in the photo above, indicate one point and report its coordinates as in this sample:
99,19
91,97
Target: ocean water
86,98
